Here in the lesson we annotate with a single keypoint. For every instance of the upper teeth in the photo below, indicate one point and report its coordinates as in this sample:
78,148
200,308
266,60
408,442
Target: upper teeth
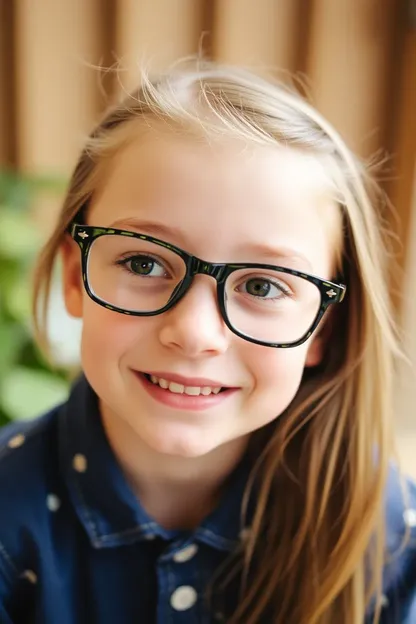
180,389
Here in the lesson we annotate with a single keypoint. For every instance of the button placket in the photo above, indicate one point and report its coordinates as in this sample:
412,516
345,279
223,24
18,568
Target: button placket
179,585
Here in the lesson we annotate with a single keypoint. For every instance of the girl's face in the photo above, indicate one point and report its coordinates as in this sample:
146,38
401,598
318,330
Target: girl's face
223,203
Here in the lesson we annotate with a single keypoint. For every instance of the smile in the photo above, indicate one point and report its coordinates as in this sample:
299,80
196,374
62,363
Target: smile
189,394
177,388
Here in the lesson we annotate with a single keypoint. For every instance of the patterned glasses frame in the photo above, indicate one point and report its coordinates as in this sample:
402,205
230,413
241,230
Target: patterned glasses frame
84,235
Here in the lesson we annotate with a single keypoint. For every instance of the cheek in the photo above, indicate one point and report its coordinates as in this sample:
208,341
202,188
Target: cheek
277,374
107,335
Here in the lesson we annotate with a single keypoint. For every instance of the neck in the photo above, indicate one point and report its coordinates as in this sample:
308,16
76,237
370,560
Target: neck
178,492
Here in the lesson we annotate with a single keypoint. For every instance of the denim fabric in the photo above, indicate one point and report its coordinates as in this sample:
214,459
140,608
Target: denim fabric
76,547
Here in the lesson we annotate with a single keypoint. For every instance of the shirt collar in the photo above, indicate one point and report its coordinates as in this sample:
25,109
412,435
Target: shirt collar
106,506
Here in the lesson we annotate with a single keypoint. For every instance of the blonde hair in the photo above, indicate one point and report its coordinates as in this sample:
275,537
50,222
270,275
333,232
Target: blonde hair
316,550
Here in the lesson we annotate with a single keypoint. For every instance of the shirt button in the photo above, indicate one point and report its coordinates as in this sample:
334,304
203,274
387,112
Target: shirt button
183,598
185,554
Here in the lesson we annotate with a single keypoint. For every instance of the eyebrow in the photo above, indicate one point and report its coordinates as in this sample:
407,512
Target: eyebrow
267,253
148,227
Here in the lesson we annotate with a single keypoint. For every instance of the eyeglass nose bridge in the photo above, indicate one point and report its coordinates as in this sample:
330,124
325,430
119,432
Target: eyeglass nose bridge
196,266
200,267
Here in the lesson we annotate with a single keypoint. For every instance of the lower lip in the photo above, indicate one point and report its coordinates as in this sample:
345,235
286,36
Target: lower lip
183,401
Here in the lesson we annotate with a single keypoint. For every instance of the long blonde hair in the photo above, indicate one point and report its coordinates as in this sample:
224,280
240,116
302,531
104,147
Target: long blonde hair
316,549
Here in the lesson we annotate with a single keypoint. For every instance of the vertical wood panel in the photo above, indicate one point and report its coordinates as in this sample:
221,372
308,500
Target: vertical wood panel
406,380
57,92
401,187
350,44
263,34
155,33
7,118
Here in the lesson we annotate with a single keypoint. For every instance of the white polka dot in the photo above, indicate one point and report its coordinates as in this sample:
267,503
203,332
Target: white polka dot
30,576
183,598
186,553
409,517
79,463
16,441
384,601
149,537
53,502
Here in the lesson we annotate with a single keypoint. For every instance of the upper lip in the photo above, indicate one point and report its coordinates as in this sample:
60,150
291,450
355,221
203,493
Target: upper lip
199,382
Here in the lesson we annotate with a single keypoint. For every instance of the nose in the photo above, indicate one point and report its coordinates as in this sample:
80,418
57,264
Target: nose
194,326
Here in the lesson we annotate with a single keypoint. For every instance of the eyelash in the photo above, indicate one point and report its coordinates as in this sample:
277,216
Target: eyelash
282,287
122,262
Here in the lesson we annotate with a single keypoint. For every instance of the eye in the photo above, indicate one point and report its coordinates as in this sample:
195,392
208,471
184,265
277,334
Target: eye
262,288
144,266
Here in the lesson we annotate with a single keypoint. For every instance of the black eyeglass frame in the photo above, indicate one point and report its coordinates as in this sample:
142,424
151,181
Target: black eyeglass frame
85,235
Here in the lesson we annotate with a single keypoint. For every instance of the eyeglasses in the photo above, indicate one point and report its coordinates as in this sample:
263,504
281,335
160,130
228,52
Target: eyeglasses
140,275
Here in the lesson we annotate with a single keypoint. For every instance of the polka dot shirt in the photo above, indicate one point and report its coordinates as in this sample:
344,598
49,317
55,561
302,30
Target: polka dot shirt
76,546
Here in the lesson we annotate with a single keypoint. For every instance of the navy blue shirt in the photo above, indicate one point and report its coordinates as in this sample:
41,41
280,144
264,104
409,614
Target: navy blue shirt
76,547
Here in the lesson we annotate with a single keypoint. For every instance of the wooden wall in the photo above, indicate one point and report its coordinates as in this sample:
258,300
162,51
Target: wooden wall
357,56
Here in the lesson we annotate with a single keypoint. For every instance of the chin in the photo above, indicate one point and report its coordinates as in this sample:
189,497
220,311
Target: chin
182,446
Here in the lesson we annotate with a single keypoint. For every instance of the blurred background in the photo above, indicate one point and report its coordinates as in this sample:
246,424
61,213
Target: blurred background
356,59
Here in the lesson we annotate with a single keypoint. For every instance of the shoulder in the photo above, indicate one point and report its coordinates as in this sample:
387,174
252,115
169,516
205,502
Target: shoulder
400,509
29,468
400,569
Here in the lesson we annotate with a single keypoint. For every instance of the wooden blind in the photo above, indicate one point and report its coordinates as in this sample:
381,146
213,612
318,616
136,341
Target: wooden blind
356,56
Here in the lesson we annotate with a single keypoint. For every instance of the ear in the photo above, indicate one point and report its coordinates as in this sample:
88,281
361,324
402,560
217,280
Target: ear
72,277
315,351
319,342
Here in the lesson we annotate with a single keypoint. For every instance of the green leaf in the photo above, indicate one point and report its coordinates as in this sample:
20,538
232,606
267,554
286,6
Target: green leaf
12,338
14,190
26,393
18,235
4,419
54,184
27,385
18,299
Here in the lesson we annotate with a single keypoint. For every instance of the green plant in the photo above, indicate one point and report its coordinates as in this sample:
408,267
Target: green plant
28,385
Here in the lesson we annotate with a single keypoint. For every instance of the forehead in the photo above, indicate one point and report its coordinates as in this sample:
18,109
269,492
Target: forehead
222,199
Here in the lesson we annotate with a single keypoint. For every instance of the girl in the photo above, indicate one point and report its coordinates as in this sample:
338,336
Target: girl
225,455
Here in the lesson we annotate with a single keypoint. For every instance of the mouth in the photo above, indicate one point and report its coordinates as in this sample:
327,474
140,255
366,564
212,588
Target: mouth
175,387
194,394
